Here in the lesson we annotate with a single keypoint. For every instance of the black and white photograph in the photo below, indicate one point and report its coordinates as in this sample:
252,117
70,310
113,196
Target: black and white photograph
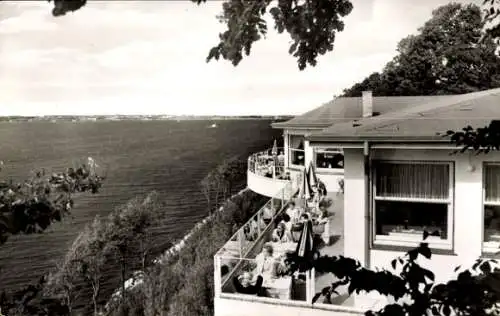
249,157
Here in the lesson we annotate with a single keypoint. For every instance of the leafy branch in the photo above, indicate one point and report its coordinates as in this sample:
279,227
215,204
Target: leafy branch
33,205
481,139
413,288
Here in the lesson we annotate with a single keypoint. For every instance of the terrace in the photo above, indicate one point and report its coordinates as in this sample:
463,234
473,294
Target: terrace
288,294
266,173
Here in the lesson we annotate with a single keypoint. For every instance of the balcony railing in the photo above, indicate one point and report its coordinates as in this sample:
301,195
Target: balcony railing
239,256
265,164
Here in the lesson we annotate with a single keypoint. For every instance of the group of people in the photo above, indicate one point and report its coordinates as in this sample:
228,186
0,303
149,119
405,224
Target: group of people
289,226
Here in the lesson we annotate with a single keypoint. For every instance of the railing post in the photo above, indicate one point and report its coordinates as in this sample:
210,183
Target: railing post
217,276
259,221
241,236
310,286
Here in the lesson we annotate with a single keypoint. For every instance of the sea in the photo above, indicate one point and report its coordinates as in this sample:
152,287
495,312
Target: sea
171,157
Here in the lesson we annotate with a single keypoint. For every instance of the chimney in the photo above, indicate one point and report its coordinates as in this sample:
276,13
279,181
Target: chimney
367,103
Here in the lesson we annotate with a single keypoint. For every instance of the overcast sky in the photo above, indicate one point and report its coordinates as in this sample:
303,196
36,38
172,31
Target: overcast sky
148,57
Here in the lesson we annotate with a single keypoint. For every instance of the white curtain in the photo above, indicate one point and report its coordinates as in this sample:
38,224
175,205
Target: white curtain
412,180
492,183
296,140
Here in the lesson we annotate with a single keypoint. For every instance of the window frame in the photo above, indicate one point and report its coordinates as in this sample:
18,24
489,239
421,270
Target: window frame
326,150
487,246
434,242
291,149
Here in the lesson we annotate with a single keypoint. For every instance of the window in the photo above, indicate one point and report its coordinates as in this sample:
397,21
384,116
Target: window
491,204
410,198
296,145
329,159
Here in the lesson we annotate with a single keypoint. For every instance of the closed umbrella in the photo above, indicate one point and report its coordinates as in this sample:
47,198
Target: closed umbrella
311,175
274,150
304,252
305,191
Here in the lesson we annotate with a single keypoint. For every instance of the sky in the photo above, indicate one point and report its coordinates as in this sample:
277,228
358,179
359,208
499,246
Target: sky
148,57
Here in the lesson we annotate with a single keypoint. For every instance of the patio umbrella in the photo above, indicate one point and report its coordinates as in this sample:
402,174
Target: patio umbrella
274,150
305,191
311,175
304,252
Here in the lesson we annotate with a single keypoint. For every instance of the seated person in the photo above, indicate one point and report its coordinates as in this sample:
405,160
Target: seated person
267,214
304,218
285,219
320,214
321,188
266,264
251,230
293,212
243,284
280,234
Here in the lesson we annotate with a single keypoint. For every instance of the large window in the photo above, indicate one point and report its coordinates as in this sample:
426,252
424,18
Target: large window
296,144
329,159
410,198
491,203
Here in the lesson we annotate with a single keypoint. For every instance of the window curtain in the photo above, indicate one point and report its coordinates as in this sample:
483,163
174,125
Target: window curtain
412,180
297,141
492,183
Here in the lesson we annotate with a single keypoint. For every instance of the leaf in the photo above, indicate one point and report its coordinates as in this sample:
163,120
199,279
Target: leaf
446,310
485,267
293,48
425,251
316,297
413,254
393,263
457,268
429,274
425,234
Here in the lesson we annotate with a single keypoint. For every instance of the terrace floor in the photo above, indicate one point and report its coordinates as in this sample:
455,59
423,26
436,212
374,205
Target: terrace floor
334,248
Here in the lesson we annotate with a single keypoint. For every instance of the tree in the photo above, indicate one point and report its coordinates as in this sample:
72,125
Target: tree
222,180
31,301
414,288
312,26
84,261
130,232
446,57
33,205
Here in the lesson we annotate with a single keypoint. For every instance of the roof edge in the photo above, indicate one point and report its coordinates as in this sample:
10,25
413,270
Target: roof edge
378,139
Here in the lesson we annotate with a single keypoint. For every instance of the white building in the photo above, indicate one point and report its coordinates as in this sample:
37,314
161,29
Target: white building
400,177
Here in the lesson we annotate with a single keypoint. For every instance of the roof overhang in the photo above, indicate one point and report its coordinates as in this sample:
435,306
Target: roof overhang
285,125
318,137
384,144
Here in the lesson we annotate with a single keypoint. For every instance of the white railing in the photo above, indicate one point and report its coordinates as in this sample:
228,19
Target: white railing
238,256
265,164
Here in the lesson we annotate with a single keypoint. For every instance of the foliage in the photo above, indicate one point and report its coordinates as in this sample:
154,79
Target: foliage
123,234
480,140
414,288
131,231
312,26
30,301
219,183
32,206
84,261
491,15
446,57
171,289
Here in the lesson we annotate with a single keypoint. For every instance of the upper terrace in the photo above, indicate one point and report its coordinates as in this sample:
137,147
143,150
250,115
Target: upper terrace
291,295
266,173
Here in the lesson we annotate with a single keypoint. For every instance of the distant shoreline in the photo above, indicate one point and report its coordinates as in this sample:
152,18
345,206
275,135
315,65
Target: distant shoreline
95,118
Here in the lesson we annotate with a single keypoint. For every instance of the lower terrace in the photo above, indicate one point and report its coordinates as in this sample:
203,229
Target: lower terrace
291,293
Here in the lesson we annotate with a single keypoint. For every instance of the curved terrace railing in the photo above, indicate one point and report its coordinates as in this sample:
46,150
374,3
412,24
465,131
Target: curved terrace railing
296,291
265,164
